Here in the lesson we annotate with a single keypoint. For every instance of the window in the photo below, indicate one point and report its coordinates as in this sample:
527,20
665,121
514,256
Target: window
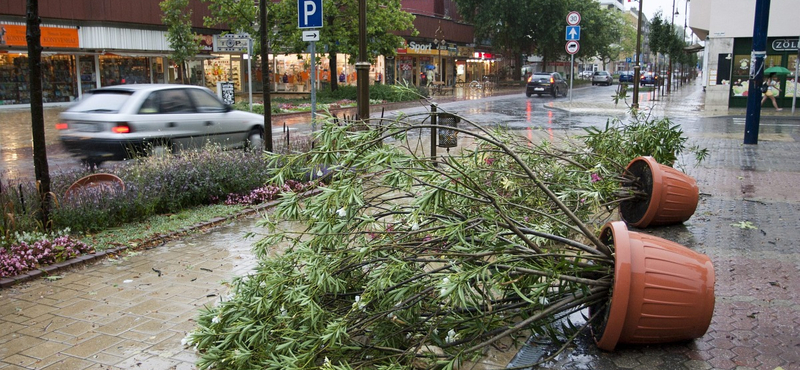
174,101
205,102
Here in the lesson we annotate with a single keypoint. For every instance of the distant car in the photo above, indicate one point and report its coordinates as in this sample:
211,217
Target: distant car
540,83
626,76
602,78
586,74
119,122
648,78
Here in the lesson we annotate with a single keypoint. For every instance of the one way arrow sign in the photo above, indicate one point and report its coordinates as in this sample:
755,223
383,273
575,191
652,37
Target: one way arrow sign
311,35
573,33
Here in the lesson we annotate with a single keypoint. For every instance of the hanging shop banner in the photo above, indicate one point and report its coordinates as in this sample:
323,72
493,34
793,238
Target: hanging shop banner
52,37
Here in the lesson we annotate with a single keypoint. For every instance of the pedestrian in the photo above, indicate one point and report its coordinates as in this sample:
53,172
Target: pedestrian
772,90
431,76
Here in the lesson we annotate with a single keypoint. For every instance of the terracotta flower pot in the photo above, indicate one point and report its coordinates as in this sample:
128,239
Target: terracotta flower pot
663,291
672,195
97,181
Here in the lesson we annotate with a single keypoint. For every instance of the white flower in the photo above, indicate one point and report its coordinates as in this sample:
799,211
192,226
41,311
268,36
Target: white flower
283,310
414,226
390,315
341,212
452,336
187,340
216,319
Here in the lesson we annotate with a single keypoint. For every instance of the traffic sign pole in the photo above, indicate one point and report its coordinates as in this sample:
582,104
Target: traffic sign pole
573,34
571,74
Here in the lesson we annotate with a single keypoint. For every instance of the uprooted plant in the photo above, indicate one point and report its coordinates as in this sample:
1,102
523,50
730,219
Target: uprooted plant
413,261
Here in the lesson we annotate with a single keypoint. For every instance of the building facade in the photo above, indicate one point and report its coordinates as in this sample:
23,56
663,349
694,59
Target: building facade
727,28
89,44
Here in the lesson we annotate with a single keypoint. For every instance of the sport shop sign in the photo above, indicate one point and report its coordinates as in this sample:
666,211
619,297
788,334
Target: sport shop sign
426,48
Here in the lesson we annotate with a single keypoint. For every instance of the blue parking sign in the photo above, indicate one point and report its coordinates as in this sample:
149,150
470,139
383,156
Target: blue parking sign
309,13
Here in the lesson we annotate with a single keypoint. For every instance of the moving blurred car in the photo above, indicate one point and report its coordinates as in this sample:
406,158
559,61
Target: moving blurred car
546,83
648,78
602,77
123,121
626,76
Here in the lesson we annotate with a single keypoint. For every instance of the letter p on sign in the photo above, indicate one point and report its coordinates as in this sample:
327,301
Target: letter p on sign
309,13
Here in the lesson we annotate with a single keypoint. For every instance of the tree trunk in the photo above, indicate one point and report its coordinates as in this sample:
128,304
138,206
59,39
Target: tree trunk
33,37
334,76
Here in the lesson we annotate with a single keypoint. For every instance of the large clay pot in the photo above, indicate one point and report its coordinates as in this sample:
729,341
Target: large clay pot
663,291
98,182
672,195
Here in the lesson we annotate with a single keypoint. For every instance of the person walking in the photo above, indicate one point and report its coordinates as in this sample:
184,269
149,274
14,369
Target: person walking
772,90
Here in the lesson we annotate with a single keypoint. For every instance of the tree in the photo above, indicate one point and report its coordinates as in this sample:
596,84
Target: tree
337,34
33,37
177,15
537,26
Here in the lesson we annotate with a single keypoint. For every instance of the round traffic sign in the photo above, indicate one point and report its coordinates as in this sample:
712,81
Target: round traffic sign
572,47
573,18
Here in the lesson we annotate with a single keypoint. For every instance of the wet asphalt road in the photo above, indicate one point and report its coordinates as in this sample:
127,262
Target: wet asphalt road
507,108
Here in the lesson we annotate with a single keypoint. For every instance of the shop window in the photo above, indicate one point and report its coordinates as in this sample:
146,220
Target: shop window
117,70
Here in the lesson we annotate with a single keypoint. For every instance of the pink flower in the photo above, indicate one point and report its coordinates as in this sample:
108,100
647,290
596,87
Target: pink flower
596,177
489,161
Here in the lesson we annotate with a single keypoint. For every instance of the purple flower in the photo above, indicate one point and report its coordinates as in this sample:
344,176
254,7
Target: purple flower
596,178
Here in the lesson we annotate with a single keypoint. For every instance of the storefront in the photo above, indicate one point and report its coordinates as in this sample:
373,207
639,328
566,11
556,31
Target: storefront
416,58
734,69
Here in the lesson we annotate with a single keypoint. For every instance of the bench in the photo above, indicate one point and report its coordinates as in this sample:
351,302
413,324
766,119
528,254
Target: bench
440,89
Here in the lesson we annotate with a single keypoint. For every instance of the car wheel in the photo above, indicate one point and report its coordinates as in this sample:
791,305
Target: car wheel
255,140
554,91
527,94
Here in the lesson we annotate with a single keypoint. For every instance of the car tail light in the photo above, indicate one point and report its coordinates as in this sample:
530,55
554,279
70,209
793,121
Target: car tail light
62,126
121,128
530,78
552,80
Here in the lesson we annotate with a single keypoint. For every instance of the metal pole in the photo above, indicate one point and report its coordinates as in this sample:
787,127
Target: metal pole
313,86
571,74
362,66
262,7
637,67
434,122
250,71
671,35
796,67
753,117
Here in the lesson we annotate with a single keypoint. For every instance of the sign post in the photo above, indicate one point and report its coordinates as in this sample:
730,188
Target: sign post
237,43
573,34
309,15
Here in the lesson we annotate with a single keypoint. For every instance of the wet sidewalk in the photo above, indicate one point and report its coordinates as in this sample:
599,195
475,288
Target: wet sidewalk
131,312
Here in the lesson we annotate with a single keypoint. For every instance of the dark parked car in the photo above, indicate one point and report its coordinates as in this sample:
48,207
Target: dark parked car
626,76
540,83
602,78
119,122
648,78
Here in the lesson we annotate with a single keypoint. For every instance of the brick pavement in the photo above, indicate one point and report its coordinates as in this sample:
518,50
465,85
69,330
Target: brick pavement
121,313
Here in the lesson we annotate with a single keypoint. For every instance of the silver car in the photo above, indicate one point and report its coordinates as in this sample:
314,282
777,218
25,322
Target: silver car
602,77
119,122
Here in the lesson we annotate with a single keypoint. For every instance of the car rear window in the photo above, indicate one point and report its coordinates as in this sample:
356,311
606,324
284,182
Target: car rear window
102,101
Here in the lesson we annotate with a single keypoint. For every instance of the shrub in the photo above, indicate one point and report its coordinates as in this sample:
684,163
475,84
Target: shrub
23,257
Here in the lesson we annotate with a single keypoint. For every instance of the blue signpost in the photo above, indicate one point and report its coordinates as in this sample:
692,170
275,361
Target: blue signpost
753,116
573,33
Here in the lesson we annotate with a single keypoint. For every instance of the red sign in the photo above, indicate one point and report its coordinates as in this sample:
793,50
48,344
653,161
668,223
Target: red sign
54,37
572,47
482,55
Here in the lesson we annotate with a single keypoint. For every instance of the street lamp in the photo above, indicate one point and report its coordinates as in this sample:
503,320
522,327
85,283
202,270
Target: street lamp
637,67
439,41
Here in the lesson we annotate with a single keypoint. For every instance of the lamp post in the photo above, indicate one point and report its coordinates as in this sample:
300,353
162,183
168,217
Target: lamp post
262,15
637,67
362,66
440,43
671,35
